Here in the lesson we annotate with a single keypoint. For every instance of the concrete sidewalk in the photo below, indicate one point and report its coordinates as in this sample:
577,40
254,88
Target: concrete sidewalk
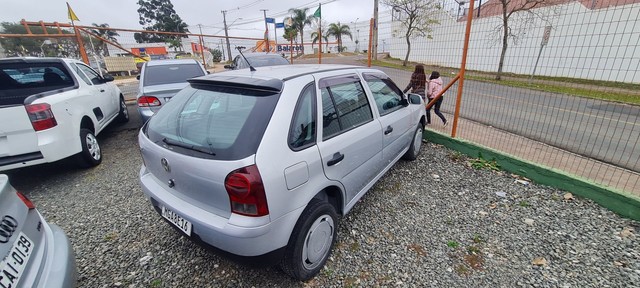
536,152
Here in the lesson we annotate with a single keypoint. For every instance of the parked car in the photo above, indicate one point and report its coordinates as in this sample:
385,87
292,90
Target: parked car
161,79
33,252
257,59
53,109
260,164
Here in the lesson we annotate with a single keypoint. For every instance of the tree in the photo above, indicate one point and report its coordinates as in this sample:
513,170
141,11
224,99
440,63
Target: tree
337,30
216,54
291,34
37,46
315,38
300,19
525,12
417,19
159,15
106,34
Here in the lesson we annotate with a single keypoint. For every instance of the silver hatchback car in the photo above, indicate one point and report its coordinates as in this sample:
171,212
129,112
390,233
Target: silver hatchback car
260,164
33,253
161,79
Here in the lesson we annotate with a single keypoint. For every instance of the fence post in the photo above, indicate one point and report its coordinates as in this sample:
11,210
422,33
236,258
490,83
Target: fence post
370,41
83,53
467,34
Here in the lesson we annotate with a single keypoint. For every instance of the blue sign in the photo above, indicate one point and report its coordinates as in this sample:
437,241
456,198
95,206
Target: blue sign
279,25
271,20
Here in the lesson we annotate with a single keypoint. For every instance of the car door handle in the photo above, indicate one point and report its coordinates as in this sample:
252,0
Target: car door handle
101,90
337,157
389,130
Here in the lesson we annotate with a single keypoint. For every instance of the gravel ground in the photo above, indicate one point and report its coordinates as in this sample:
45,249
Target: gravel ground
432,222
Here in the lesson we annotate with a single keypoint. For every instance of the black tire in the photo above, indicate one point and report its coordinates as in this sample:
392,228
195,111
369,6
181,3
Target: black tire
123,115
317,227
414,147
91,154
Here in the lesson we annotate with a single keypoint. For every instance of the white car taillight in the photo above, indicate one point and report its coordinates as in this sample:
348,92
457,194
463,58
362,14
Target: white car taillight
41,116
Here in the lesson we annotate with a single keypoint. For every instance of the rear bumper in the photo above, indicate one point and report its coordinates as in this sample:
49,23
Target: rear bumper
52,145
239,235
60,269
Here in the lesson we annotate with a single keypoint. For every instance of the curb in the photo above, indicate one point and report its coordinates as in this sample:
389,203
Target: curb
617,201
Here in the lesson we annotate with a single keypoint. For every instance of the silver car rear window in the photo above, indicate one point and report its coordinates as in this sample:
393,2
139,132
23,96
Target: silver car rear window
171,73
224,123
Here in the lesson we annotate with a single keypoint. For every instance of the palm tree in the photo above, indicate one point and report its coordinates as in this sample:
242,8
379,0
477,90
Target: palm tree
106,34
300,19
314,38
337,30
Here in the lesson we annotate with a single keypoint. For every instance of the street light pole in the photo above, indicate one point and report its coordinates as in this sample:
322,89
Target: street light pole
266,30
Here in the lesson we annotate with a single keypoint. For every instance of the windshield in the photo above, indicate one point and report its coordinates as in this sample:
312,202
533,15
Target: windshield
171,73
213,122
265,60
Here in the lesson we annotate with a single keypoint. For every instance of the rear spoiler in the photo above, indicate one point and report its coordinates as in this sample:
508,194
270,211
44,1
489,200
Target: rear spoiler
270,85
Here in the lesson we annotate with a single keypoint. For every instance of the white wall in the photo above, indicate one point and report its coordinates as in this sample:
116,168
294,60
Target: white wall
601,44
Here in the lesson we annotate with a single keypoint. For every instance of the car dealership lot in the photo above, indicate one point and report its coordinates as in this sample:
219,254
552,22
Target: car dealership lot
463,227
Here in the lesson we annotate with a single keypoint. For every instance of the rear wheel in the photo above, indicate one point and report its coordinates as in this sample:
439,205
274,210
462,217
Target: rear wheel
123,115
312,241
416,143
91,154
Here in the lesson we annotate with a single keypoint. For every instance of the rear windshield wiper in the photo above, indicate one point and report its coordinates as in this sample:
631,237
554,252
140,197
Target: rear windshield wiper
197,148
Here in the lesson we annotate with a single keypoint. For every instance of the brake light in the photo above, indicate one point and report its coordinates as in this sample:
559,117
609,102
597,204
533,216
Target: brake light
246,192
26,201
41,116
148,101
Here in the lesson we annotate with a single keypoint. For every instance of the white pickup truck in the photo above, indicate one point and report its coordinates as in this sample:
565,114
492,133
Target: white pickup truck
51,109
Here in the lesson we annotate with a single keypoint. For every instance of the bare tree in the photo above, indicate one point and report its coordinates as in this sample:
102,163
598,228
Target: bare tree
417,18
517,18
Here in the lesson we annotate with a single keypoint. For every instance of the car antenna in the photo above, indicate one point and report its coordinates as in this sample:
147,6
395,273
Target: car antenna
245,58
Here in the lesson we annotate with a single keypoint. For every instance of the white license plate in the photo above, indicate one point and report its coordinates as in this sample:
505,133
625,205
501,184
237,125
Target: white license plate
14,263
174,218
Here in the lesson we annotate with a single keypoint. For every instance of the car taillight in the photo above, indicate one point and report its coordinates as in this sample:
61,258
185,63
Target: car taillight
246,192
41,116
26,201
148,101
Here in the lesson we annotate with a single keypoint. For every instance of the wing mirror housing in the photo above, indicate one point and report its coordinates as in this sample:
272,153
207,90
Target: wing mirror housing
107,78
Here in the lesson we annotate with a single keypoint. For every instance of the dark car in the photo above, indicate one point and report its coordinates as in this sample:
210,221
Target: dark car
257,60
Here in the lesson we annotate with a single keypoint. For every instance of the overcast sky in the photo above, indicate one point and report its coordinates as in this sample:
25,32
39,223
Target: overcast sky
123,13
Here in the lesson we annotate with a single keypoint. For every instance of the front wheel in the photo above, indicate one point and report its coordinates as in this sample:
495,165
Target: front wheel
91,155
416,143
312,241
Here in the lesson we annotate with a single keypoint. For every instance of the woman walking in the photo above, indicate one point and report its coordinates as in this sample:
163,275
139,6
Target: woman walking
418,83
435,86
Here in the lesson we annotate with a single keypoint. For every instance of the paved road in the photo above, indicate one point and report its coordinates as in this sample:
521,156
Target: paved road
606,131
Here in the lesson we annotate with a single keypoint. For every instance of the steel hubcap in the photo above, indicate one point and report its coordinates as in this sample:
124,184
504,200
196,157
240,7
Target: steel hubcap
92,146
317,243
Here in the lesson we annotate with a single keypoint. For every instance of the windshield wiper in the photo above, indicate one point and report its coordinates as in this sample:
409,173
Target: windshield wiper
202,149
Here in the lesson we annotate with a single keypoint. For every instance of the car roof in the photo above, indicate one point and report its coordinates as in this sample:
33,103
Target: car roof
261,54
267,77
171,62
36,60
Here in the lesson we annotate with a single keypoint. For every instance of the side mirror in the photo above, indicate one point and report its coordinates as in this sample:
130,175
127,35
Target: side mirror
415,99
138,77
208,72
404,102
228,66
107,78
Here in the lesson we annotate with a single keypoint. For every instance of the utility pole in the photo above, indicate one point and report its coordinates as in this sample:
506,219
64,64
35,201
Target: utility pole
375,30
266,30
226,33
204,62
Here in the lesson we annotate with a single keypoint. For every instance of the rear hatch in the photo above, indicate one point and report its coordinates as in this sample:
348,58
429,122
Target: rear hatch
206,132
22,239
22,81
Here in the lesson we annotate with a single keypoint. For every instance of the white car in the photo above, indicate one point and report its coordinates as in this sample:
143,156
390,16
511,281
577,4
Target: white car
52,108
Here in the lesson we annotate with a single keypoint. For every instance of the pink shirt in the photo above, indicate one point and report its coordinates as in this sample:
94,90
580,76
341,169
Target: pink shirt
435,86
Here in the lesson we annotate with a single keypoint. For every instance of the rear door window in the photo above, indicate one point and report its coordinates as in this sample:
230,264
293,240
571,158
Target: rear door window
213,122
171,73
20,79
344,105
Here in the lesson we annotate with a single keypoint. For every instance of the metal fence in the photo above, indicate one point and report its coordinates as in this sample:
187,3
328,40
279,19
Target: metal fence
569,90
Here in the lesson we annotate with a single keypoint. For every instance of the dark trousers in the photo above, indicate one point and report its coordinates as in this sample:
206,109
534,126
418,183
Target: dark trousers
436,109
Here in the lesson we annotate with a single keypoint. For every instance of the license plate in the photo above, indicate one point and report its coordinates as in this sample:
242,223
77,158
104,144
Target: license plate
14,263
174,218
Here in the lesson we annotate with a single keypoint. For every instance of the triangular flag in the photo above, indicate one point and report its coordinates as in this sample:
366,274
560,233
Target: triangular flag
72,15
317,14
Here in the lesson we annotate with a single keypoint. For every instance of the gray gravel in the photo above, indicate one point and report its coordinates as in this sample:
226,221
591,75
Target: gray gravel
432,222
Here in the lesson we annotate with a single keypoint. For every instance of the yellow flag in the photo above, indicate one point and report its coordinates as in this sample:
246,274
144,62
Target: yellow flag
72,15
